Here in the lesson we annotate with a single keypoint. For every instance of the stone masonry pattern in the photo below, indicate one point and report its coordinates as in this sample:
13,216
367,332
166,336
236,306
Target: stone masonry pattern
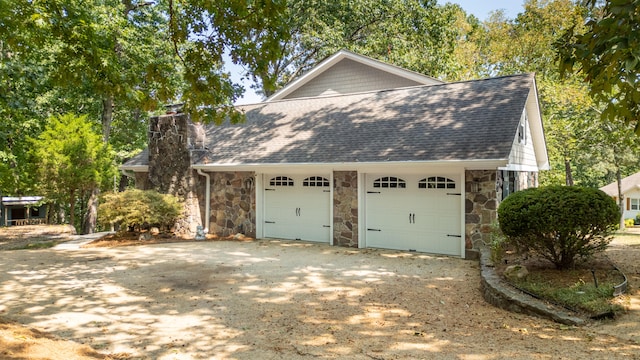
169,167
481,204
233,204
345,208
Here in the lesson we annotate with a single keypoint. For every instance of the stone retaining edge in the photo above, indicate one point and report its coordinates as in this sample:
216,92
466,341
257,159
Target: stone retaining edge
500,294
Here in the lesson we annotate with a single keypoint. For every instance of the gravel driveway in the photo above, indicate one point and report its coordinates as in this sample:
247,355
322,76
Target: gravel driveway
278,300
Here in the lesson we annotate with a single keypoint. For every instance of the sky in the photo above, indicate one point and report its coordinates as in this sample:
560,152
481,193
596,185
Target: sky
479,8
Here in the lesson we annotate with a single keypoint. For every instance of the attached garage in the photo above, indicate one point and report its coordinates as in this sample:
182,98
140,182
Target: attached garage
297,207
414,212
348,156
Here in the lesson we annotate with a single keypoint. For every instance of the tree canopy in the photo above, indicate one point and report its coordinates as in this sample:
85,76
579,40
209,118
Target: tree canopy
415,34
607,55
115,60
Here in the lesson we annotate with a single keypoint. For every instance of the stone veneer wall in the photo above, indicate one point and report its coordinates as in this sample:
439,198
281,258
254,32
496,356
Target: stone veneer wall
345,208
480,205
233,203
142,180
169,167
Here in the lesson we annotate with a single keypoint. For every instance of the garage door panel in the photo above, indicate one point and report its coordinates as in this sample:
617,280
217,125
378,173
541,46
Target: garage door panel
297,207
424,215
389,219
389,239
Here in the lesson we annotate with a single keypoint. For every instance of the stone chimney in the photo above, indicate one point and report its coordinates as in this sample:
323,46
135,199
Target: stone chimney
170,165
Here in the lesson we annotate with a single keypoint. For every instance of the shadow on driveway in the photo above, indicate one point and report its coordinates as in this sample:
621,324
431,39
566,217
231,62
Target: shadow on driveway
277,299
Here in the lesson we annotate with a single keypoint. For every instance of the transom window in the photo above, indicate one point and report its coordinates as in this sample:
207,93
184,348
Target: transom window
635,204
436,182
317,181
281,181
389,182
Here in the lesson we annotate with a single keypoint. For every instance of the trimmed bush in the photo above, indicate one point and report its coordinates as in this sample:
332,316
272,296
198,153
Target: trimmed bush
559,223
139,209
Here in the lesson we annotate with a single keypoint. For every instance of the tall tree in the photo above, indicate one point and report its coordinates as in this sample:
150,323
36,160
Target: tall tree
525,44
108,58
71,160
414,34
203,31
606,56
569,114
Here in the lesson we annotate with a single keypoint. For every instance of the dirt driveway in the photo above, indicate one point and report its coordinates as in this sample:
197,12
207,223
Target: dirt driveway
279,300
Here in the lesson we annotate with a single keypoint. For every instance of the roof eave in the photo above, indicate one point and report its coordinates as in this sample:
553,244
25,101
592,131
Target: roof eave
134,168
537,127
482,164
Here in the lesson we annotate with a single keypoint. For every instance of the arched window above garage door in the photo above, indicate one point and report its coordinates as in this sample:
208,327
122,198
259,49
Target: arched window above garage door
436,182
317,181
281,181
391,182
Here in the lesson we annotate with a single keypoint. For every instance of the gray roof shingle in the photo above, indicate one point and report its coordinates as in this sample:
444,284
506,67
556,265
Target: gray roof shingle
472,120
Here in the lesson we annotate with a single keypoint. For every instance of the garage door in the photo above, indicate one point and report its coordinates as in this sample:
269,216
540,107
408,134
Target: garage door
420,213
297,207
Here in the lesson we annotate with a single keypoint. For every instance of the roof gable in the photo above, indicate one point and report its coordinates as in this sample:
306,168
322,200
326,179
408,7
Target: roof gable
345,73
631,182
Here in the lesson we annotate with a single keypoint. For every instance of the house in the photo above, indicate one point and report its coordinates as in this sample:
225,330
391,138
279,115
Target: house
630,188
356,153
22,210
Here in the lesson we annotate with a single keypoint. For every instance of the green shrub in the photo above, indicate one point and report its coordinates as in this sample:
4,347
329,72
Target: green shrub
559,223
139,209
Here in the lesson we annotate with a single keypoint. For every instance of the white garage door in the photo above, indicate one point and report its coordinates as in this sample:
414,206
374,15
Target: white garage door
297,207
420,213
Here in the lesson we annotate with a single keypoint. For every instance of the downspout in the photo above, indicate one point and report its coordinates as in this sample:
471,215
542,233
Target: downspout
207,202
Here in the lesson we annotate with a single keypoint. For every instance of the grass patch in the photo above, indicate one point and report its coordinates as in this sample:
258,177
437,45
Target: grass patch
36,245
582,296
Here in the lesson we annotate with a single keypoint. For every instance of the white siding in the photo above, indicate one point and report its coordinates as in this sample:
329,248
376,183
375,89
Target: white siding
522,151
630,213
347,77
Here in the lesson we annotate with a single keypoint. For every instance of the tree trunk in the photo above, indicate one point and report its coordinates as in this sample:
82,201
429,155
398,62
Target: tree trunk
91,216
107,117
61,217
620,197
72,208
124,182
567,172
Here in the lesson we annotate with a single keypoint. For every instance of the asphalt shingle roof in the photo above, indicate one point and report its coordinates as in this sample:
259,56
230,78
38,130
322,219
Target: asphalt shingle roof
457,121
471,120
631,182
